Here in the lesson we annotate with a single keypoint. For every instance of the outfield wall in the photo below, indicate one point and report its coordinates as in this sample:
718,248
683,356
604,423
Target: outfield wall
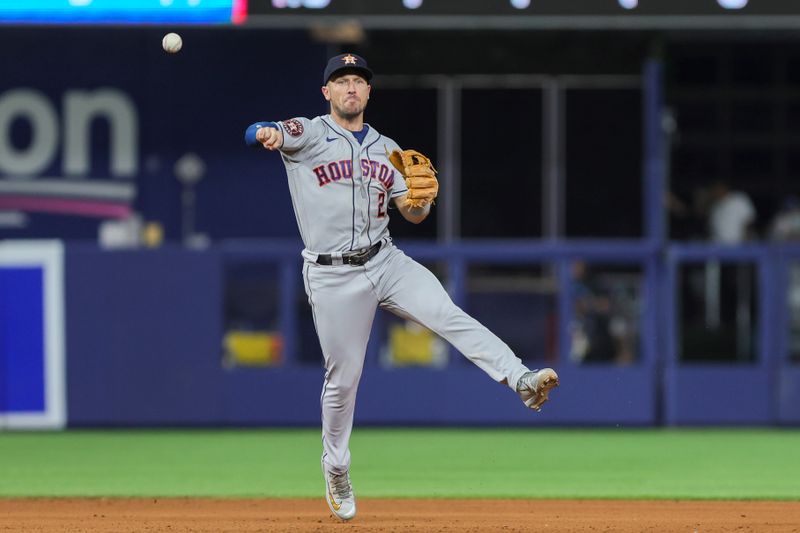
142,344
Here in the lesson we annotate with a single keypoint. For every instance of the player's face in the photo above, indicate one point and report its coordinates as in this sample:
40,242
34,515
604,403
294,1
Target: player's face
348,95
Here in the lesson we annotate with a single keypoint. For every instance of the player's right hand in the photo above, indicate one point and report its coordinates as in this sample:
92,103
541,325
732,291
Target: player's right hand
270,138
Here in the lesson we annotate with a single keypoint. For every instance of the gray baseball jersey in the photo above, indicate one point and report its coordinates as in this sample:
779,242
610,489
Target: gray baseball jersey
340,189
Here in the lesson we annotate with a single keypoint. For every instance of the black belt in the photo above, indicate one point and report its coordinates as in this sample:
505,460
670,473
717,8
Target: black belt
351,258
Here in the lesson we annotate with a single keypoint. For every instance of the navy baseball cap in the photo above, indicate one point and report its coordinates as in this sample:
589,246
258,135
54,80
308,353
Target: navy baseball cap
346,61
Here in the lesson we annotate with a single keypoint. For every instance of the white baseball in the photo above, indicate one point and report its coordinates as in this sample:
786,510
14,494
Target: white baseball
172,43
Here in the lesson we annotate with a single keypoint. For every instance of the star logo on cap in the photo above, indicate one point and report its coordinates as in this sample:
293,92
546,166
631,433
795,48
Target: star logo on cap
349,60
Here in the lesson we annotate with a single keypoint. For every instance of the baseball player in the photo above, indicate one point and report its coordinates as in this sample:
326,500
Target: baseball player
343,177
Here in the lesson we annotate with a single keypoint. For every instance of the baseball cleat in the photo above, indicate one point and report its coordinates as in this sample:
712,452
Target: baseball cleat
534,387
339,495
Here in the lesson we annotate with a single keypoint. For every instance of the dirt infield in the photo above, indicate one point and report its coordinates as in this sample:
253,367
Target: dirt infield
375,515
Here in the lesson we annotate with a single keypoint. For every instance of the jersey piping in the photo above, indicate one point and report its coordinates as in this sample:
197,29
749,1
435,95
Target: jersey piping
352,183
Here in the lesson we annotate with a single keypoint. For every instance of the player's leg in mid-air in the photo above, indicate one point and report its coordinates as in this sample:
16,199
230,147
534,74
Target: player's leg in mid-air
410,290
343,304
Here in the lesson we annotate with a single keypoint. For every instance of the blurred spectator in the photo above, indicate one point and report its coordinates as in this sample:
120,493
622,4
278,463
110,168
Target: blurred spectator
727,289
786,224
731,214
601,332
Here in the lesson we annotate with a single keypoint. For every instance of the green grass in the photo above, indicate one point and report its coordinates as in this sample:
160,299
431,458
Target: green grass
440,463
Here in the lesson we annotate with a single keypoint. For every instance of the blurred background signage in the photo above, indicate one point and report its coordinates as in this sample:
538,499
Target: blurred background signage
122,11
527,7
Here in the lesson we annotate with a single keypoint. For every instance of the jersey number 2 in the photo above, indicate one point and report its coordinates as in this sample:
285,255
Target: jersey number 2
381,202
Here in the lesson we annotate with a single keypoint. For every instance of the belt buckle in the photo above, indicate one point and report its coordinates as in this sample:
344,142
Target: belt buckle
358,258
